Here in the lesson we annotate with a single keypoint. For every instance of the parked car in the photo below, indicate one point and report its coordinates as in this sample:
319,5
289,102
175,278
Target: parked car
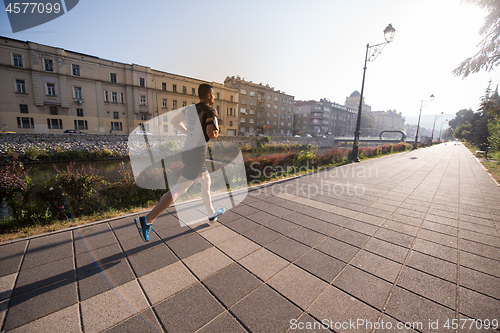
308,136
296,136
74,131
139,132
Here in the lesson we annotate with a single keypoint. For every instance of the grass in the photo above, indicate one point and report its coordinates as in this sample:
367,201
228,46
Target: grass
491,164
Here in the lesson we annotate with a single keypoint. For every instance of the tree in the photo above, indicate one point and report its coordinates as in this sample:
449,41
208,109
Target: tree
488,55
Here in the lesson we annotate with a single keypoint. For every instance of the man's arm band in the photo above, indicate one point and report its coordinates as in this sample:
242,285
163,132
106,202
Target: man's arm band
211,122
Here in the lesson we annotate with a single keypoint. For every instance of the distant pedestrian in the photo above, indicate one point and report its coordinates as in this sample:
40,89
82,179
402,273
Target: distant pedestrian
200,125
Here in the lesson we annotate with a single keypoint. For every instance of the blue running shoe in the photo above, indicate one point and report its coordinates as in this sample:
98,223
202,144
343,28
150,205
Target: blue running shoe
217,213
143,227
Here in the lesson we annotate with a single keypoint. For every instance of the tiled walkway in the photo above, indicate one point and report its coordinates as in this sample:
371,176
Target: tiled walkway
412,237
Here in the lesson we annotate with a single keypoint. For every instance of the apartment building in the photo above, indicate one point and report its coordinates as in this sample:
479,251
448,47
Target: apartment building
352,102
324,118
44,89
387,121
262,109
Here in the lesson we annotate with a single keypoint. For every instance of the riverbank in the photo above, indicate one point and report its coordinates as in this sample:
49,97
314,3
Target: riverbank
53,148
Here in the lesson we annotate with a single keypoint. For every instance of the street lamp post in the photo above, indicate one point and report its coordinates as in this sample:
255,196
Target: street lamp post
435,117
389,36
418,124
441,131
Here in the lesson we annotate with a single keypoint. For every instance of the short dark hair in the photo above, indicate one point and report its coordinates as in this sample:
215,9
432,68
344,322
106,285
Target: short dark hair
204,90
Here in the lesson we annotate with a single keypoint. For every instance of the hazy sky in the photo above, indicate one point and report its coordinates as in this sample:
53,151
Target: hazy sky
309,49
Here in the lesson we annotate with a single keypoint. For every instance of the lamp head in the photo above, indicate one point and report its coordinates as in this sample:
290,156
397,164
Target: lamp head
432,97
389,33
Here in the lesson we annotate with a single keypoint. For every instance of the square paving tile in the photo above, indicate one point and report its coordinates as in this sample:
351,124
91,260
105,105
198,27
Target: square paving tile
282,226
361,227
403,228
7,285
93,237
263,263
277,211
105,255
476,305
104,278
261,217
38,303
480,249
406,306
48,248
437,237
265,310
170,234
108,309
377,265
345,308
428,286
144,321
432,265
167,281
297,285
480,282
387,250
333,218
224,323
218,234
364,286
150,260
262,235
306,236
207,262
238,247
323,227
436,250
11,256
350,236
242,225
321,265
394,237
189,245
244,210
288,248
65,320
188,310
337,249
479,263
43,275
231,284
297,218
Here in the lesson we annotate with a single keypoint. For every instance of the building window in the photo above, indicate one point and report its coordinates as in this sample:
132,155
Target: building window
112,77
23,108
193,91
20,87
242,129
174,88
114,97
243,120
282,123
53,110
142,83
106,96
142,99
77,92
218,109
49,66
174,105
252,111
243,91
218,95
242,110
230,123
252,102
122,97
275,123
79,112
243,101
165,118
275,115
116,126
54,123
18,60
165,104
76,70
276,98
252,93
51,89
184,104
231,98
116,115
144,116
251,120
163,86
25,122
81,125
165,128
184,90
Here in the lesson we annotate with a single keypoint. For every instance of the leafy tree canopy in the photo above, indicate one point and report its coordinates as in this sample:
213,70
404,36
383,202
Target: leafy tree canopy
488,55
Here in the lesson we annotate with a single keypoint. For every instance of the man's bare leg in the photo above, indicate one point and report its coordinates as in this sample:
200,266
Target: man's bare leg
169,198
206,181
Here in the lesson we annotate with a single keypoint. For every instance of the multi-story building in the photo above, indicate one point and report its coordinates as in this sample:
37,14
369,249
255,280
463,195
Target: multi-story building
48,90
324,118
387,121
262,109
352,102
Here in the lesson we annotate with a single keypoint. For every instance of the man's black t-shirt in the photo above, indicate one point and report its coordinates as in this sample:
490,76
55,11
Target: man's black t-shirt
204,112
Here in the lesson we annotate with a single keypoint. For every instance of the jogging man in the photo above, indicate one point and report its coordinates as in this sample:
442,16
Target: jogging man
200,125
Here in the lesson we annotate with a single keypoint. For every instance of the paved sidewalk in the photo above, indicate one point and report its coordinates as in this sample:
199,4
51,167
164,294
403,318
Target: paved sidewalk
413,238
